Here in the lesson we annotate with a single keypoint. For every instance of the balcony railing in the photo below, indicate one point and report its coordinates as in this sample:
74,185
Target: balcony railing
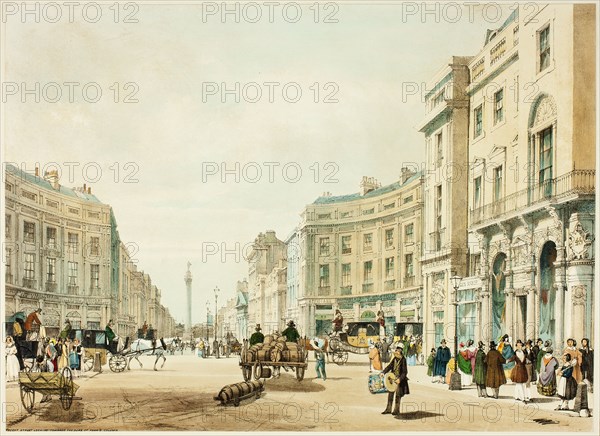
72,289
575,182
94,290
8,277
367,287
29,283
390,285
409,281
51,287
346,290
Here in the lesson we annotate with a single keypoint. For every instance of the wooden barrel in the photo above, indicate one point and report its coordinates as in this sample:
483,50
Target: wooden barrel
291,345
268,339
291,356
263,355
281,346
276,355
236,390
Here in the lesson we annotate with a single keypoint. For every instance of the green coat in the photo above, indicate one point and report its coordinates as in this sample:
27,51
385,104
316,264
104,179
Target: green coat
110,335
480,368
257,338
430,361
291,334
463,364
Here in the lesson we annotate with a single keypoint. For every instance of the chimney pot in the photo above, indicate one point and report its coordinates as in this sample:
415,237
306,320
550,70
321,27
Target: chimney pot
89,190
37,171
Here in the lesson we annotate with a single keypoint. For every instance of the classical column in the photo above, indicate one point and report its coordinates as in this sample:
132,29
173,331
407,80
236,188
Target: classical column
486,327
509,312
559,321
578,299
356,311
531,326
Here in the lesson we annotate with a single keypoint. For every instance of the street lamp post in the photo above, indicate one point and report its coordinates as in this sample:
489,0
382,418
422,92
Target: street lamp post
455,379
217,290
207,317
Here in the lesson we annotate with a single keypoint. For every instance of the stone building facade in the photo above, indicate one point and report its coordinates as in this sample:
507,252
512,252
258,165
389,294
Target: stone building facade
360,253
64,255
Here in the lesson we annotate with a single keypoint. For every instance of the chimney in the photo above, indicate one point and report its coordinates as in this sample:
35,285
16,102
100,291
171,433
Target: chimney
368,184
37,171
89,191
84,188
326,194
52,178
406,174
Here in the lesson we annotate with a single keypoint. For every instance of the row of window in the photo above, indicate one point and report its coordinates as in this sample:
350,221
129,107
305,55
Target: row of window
73,270
325,245
367,271
545,153
29,236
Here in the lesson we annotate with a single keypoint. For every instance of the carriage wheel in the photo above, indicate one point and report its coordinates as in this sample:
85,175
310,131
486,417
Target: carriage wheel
66,388
300,373
117,363
339,357
88,364
27,398
334,344
247,373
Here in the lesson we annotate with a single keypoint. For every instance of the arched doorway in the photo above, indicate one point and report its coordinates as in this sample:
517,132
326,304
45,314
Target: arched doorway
498,297
547,291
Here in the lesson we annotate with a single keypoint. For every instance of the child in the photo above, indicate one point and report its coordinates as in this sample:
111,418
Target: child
320,360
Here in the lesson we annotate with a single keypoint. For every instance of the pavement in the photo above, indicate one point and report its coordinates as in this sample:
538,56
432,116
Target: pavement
180,397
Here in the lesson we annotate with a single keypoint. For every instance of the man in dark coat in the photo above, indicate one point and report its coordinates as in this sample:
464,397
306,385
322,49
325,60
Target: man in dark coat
291,333
534,358
495,371
587,363
480,372
399,368
257,337
442,357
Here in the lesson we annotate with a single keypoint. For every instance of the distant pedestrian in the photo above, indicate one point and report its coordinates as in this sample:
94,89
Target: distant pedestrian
385,350
51,354
442,357
430,362
319,359
411,352
587,363
374,358
495,376
480,372
12,363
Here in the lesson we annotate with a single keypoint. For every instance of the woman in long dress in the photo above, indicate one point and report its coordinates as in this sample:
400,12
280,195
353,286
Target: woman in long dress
63,360
567,385
12,363
547,380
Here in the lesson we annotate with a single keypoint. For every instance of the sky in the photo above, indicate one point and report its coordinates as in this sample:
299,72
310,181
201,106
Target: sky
141,106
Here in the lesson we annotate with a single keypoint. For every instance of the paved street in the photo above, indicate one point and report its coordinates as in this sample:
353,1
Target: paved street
180,397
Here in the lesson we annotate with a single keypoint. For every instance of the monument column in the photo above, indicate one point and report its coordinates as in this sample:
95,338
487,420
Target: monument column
188,286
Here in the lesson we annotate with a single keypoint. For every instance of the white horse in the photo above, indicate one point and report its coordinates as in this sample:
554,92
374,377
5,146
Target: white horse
146,347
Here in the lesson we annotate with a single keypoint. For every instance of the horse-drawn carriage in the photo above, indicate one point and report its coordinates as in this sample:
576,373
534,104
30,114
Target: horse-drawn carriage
354,340
95,341
28,346
269,357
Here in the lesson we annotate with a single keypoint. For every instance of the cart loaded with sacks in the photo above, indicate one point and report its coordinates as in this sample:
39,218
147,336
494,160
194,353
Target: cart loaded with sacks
266,359
47,383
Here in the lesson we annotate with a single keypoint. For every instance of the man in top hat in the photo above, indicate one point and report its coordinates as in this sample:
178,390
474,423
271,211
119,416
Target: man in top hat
33,318
257,337
399,368
338,321
494,377
291,333
442,357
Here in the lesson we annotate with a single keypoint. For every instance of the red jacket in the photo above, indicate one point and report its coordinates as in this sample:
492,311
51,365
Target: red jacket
30,319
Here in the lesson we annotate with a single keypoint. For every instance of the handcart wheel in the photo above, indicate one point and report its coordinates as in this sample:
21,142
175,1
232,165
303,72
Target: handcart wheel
117,363
27,398
66,388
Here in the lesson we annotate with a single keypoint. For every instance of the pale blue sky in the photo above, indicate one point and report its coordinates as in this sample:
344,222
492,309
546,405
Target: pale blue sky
370,53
